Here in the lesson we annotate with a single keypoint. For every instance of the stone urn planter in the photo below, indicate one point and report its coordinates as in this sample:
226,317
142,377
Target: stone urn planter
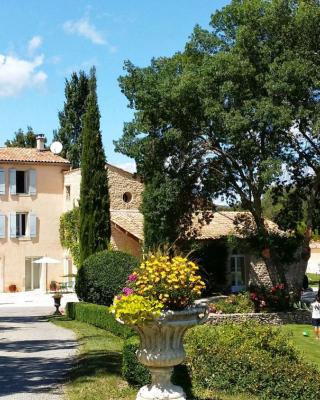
161,348
57,303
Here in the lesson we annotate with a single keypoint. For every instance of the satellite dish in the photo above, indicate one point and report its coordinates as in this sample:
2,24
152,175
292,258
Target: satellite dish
56,147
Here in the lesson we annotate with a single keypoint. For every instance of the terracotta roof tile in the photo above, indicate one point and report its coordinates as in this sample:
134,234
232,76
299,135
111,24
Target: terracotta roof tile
29,155
129,220
222,224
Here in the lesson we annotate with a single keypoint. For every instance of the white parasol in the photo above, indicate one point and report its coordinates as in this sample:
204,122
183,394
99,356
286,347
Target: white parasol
44,273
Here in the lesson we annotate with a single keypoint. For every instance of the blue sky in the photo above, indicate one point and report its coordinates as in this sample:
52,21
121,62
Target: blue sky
43,42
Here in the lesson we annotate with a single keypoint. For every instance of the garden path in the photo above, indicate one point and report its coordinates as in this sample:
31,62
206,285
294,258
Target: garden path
35,355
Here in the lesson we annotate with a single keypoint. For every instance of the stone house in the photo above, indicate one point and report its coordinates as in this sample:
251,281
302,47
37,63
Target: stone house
37,186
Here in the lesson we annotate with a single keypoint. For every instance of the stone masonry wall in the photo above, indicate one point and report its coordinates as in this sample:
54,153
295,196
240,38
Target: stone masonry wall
121,183
279,318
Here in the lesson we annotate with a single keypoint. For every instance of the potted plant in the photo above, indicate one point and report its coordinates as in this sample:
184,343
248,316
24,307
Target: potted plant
57,302
158,302
12,288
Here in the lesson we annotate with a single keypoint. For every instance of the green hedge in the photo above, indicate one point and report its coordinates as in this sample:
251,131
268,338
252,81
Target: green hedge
98,316
249,358
137,374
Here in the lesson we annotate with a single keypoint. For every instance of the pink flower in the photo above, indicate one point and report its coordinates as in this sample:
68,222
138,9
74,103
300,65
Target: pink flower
132,277
119,297
126,291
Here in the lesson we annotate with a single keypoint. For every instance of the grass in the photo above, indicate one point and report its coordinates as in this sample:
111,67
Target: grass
308,346
97,373
313,279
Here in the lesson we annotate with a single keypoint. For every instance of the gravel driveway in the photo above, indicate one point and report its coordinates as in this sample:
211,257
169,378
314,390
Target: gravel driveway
35,355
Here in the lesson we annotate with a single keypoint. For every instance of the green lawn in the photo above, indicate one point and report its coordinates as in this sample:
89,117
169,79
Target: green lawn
96,375
309,347
313,279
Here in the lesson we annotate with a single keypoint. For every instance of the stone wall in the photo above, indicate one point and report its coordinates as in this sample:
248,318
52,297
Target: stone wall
125,190
277,318
258,273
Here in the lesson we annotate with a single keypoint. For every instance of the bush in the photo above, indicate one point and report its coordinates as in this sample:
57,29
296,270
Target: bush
103,275
138,375
233,304
98,316
135,373
249,358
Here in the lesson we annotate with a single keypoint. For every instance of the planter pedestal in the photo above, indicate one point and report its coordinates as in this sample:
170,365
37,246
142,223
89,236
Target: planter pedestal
161,348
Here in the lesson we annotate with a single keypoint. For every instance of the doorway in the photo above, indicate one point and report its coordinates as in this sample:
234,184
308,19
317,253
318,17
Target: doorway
32,274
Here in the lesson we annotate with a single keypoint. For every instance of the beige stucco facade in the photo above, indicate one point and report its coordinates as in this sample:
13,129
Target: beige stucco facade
29,222
39,235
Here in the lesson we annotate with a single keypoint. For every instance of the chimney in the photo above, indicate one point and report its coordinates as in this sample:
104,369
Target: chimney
40,142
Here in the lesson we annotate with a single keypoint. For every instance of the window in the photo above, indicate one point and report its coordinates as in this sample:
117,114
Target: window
237,272
127,197
22,182
68,192
21,224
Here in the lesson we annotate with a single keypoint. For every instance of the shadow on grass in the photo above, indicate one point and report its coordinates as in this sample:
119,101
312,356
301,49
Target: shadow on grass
108,362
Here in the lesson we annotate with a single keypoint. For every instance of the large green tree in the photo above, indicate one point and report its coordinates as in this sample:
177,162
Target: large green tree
23,139
236,107
70,118
94,193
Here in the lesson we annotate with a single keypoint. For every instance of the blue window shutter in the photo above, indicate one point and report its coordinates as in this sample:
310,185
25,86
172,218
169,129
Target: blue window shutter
2,182
13,225
2,226
12,180
32,181
33,225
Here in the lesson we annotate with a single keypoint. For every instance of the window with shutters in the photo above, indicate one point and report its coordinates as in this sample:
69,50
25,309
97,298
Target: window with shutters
23,225
22,182
2,182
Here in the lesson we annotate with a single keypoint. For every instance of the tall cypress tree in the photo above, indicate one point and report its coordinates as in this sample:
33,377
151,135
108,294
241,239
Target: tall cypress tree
94,194
69,133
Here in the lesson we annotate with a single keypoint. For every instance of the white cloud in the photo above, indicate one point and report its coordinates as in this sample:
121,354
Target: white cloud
84,28
17,74
34,44
55,59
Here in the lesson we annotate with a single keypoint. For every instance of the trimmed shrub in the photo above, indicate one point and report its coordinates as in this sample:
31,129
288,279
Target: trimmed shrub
138,375
98,316
233,304
103,275
135,373
249,358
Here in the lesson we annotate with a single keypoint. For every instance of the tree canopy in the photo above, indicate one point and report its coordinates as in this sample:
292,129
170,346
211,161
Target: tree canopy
70,118
23,139
228,114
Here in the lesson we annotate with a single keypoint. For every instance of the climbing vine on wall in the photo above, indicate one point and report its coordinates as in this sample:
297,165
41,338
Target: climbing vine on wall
69,233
